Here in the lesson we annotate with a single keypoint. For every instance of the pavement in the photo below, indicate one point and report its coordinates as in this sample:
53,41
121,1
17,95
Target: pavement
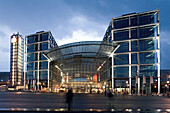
55,102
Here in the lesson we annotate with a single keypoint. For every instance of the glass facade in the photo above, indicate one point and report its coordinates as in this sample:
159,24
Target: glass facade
37,65
138,54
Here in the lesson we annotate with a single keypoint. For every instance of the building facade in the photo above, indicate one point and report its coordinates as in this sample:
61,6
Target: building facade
16,60
37,66
133,65
136,63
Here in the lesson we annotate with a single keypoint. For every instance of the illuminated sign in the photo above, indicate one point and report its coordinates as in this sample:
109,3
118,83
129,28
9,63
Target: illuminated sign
95,78
13,40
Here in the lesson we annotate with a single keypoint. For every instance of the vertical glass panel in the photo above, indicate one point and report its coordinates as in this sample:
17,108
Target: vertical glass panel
121,59
134,34
146,32
32,39
124,47
44,46
30,75
43,75
121,23
30,57
146,19
121,35
134,58
133,20
30,48
134,70
44,37
43,65
36,66
42,57
121,72
36,47
30,66
36,74
148,71
145,45
147,58
134,46
36,56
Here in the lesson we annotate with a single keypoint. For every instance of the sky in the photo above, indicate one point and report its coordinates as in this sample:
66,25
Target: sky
73,21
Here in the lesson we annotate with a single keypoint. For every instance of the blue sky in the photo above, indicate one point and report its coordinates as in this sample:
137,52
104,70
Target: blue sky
74,20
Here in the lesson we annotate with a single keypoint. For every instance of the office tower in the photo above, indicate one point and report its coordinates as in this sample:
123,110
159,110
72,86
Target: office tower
136,63
16,59
37,72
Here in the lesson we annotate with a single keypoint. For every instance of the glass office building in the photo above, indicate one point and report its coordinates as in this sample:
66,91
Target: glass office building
136,63
37,66
16,59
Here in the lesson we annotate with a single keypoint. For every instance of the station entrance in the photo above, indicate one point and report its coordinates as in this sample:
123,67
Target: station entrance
83,66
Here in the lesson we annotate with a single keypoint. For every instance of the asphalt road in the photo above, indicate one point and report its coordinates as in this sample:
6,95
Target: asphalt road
56,102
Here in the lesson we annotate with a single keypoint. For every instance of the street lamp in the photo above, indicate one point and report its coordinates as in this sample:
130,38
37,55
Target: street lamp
126,85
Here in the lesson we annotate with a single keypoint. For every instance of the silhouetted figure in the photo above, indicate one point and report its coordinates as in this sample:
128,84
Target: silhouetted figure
105,92
69,97
110,95
90,90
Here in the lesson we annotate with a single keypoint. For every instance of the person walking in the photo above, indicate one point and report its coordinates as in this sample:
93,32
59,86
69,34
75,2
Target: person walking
110,95
69,98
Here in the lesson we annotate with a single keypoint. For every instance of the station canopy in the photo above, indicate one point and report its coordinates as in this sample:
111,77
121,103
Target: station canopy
81,59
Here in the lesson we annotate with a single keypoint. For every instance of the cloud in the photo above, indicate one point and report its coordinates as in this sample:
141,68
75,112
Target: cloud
5,33
82,28
80,35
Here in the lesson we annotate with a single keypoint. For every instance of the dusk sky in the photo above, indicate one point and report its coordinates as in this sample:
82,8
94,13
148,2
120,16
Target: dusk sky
74,20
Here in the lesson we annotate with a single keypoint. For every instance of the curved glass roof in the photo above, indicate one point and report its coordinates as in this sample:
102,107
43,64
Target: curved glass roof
80,59
85,49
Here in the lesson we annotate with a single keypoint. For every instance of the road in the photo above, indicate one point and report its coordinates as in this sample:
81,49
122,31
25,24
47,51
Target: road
54,101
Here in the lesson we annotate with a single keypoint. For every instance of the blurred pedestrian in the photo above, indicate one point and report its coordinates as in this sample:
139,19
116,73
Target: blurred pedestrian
69,98
109,94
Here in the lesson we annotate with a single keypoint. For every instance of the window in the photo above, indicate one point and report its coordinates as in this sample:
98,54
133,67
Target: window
134,34
145,45
133,21
44,46
134,58
124,47
43,65
121,59
121,35
30,75
121,23
36,66
44,37
43,75
147,58
134,70
32,39
146,32
134,46
30,57
42,57
30,66
148,71
146,19
121,72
